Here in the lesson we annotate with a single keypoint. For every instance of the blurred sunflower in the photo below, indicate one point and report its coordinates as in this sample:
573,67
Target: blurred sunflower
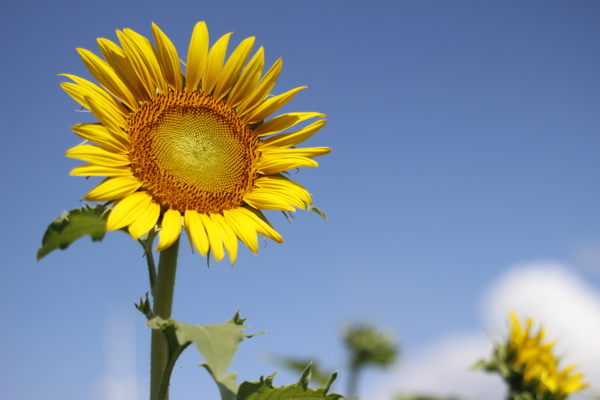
529,366
538,365
190,149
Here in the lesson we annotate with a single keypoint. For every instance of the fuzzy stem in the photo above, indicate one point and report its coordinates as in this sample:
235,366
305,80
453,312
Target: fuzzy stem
353,381
163,303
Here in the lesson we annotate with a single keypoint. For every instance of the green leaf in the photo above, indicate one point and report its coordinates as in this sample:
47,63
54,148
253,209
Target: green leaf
216,343
318,374
71,226
227,384
264,389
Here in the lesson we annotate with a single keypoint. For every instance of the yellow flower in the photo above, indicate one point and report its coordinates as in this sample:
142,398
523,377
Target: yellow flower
191,149
537,363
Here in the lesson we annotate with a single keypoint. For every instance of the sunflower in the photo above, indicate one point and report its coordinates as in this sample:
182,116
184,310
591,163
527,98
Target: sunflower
193,149
538,365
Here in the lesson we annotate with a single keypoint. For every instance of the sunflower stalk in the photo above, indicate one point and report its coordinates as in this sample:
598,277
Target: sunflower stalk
160,355
147,245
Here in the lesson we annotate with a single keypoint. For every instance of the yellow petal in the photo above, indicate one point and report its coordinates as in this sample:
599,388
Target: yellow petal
267,201
100,170
196,59
214,63
114,189
293,138
146,53
106,115
233,68
107,77
260,226
116,58
138,64
283,122
308,152
170,229
98,134
243,228
84,88
194,227
214,237
275,165
128,210
167,58
98,155
277,193
146,221
228,235
248,80
261,91
269,106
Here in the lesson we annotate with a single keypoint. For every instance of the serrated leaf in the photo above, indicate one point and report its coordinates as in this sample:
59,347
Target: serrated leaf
216,343
319,375
71,226
264,389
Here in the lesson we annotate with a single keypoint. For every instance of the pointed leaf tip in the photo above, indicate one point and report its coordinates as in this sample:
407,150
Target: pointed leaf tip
264,389
71,226
227,384
327,385
305,377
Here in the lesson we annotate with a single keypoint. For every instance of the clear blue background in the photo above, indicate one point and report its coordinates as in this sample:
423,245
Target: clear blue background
465,138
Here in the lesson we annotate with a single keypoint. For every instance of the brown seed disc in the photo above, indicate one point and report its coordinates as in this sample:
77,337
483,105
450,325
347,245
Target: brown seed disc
192,153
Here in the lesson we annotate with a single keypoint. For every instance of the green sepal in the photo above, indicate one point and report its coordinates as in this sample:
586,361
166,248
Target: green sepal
72,225
264,389
314,209
288,215
145,307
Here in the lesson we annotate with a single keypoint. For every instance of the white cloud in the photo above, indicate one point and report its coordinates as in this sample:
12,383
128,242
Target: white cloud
568,308
444,370
546,291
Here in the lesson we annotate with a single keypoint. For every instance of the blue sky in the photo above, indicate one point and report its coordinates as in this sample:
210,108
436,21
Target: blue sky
465,141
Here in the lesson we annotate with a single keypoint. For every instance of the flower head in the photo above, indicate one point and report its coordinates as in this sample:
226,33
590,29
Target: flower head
533,358
194,148
529,366
370,345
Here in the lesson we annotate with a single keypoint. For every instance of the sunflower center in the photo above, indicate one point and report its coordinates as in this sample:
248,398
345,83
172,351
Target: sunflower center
192,153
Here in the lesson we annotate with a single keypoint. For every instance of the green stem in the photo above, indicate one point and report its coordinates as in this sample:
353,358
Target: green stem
163,392
163,303
353,381
147,245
